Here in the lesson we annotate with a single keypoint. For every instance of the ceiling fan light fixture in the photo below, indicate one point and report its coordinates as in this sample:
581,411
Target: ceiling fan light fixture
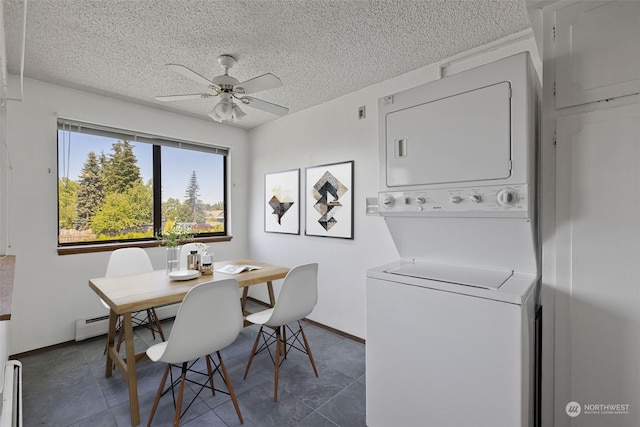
215,116
223,110
229,89
226,110
238,114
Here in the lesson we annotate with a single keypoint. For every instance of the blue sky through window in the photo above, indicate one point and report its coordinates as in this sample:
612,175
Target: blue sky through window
177,165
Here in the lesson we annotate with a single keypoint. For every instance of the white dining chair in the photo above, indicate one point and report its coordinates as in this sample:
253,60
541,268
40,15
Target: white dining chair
208,320
297,298
125,261
185,251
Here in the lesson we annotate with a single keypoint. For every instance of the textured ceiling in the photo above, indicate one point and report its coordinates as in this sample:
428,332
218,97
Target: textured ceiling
321,49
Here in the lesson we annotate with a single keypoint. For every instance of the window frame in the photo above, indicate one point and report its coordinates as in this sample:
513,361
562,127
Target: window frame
156,142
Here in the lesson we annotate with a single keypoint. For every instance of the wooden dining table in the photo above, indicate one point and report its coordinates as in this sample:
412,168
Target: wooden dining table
136,292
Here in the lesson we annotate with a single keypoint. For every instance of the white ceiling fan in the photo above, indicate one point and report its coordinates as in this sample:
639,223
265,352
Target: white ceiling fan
229,89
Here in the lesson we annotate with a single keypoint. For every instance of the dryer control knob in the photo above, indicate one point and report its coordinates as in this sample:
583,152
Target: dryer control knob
455,199
507,197
421,200
476,198
388,201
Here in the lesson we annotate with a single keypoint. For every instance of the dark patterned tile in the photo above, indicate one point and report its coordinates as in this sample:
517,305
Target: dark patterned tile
348,407
103,419
315,419
259,409
208,419
300,381
73,397
347,356
66,386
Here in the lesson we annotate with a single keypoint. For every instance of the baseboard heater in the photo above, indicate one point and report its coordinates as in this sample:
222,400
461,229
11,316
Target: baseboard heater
96,326
11,415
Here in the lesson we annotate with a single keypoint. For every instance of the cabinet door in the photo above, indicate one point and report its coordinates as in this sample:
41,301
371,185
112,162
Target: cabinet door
597,302
597,51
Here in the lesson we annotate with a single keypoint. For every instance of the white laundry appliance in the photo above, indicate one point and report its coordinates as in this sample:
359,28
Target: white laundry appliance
451,326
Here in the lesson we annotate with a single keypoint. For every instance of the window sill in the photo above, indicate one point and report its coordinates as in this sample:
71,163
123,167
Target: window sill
105,247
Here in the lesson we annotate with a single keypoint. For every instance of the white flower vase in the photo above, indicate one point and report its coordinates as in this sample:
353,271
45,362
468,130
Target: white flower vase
173,259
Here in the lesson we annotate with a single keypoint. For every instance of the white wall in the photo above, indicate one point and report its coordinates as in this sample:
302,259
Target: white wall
332,133
51,291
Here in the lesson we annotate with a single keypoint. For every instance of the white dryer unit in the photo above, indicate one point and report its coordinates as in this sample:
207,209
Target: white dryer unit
451,325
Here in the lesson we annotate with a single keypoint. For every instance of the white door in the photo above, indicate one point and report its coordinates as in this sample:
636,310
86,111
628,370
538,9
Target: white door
597,303
597,51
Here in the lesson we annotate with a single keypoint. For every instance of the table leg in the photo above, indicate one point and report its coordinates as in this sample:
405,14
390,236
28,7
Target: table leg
243,300
272,297
111,336
243,305
132,381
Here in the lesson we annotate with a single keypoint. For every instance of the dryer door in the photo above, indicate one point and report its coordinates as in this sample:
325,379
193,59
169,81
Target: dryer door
461,138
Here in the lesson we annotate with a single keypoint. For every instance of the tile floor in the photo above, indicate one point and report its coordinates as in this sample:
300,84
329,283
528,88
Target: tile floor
66,387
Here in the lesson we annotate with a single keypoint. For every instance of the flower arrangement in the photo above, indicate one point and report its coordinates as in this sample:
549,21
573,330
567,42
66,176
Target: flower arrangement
173,235
202,249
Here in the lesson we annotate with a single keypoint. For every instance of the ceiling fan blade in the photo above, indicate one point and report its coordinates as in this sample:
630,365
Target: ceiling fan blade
183,97
190,74
256,84
264,106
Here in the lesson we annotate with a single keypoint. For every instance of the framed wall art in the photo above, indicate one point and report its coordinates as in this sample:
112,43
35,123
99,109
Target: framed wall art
329,200
282,202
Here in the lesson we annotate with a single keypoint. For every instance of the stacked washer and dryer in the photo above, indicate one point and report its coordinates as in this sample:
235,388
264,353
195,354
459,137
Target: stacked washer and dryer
451,326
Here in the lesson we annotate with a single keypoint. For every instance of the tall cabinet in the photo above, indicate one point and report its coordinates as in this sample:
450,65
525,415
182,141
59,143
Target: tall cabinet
591,211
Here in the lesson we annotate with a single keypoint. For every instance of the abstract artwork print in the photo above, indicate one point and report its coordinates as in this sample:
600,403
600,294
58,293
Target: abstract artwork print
282,202
329,200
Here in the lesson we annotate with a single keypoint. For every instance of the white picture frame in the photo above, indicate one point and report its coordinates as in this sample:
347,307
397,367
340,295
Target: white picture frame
282,202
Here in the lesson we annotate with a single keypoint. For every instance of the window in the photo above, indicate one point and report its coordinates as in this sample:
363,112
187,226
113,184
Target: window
116,186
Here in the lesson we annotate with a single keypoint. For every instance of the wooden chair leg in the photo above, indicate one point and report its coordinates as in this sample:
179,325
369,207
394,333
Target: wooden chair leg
120,339
158,394
232,393
176,418
253,353
306,345
284,340
156,322
277,370
151,323
210,372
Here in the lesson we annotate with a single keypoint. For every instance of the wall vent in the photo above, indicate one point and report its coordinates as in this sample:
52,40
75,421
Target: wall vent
96,326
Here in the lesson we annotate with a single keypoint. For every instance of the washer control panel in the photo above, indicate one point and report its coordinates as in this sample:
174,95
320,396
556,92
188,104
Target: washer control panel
510,200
